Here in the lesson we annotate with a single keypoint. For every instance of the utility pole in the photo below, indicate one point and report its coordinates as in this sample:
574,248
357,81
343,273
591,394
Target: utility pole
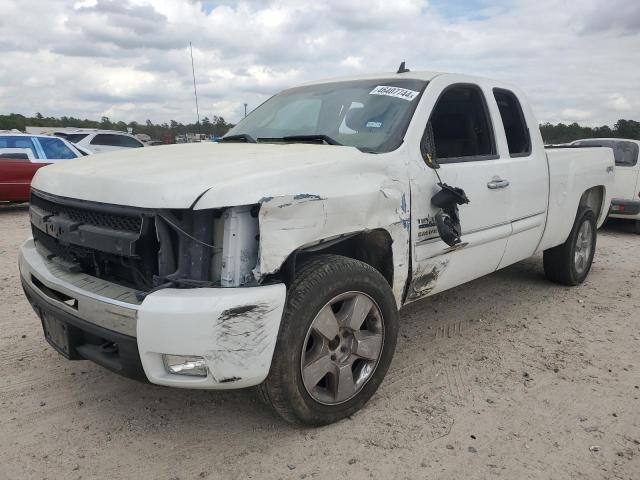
195,92
245,109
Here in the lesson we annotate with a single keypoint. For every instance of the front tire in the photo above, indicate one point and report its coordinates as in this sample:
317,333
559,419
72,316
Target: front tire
336,341
570,263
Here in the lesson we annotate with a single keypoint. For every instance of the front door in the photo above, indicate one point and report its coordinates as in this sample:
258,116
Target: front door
466,149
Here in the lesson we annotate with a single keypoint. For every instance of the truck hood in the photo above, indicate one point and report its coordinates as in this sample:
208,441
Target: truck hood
208,175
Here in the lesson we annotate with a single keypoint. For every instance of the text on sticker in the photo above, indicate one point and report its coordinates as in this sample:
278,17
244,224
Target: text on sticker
397,92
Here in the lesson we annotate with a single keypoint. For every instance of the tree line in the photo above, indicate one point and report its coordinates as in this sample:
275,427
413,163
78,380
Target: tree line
562,133
216,126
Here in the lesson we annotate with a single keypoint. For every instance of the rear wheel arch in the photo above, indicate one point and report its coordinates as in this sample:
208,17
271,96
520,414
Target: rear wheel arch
594,198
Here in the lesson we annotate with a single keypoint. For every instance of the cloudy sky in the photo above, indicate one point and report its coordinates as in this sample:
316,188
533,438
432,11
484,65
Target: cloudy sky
129,59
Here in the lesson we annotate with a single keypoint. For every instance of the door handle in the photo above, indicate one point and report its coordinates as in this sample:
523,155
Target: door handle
497,182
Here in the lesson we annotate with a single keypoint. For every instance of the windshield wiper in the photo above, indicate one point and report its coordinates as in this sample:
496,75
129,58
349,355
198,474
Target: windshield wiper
303,138
241,136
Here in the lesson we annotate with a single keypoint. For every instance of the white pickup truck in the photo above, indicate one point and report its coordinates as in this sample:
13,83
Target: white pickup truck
280,257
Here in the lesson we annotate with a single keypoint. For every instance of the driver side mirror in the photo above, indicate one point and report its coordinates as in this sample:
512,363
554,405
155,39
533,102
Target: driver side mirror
428,148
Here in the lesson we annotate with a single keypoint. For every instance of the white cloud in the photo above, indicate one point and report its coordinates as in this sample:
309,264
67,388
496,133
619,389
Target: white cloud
619,103
130,59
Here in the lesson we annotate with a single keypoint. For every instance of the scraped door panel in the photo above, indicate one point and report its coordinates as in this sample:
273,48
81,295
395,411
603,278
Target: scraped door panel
485,226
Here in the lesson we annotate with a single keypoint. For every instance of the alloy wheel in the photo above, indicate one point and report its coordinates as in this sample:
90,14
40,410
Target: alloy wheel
342,348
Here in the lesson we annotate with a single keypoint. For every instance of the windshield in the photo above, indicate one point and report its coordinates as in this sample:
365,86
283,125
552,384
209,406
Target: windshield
625,153
372,115
19,141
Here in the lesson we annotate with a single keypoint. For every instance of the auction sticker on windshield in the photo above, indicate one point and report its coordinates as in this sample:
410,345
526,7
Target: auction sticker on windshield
397,92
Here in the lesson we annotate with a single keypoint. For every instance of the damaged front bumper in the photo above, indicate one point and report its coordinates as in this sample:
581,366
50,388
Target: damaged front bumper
233,329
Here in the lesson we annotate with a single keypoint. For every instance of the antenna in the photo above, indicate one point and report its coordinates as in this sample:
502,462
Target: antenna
245,109
402,68
195,92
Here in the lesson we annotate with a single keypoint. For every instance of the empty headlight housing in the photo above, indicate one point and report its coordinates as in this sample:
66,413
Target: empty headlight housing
185,365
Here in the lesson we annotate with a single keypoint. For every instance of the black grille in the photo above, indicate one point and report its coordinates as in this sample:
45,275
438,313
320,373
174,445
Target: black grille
126,248
68,252
129,223
94,252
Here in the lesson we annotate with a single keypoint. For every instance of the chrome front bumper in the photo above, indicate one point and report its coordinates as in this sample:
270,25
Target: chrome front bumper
234,329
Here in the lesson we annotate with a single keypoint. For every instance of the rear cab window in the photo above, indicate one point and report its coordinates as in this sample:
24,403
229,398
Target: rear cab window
514,123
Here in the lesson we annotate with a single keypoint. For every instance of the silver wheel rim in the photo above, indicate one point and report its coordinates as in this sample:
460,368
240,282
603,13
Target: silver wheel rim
584,244
342,348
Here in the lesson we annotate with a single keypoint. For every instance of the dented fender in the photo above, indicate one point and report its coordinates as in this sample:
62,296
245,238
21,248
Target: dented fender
291,222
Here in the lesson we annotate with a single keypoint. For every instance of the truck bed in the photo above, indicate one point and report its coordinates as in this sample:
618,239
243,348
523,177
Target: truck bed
571,172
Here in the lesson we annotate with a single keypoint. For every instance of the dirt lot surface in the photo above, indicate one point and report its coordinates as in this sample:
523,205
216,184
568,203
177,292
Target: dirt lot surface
508,376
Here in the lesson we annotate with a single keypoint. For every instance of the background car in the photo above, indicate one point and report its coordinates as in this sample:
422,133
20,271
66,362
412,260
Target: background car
98,141
21,155
626,188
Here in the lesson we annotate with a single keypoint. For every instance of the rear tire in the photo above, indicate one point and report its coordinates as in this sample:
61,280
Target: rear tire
336,341
570,263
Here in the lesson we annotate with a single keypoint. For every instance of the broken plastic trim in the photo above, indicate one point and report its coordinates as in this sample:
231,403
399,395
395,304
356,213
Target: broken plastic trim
448,218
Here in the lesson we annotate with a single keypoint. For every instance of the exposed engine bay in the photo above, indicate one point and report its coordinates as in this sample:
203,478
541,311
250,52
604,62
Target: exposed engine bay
148,249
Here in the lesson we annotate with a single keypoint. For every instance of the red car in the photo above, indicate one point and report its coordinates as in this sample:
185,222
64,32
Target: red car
21,155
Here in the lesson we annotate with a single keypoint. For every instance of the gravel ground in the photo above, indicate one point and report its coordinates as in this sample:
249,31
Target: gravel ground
507,376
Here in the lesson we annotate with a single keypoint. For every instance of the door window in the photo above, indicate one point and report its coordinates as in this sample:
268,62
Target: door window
106,139
515,126
461,126
129,142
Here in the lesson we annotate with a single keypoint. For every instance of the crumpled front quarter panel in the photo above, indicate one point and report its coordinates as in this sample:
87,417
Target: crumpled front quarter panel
360,203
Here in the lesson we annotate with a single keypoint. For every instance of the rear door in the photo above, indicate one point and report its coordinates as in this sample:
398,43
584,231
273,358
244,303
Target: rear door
465,143
19,160
528,174
16,172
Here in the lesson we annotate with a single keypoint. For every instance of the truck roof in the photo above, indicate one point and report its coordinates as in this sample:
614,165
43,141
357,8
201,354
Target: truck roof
417,75
424,75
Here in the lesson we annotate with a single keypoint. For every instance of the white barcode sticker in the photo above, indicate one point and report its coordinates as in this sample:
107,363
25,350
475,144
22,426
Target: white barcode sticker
397,92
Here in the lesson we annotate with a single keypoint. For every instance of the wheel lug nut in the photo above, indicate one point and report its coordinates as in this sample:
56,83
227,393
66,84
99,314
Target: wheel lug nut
343,349
333,357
